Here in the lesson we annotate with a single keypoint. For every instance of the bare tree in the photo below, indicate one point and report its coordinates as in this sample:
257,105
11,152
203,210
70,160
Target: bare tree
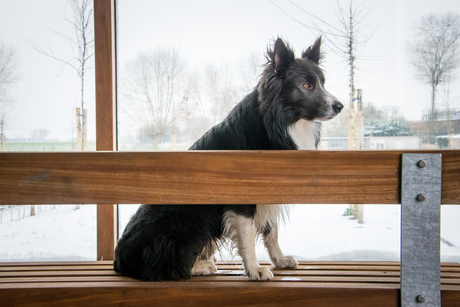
219,93
8,76
224,85
433,51
82,43
346,41
250,70
155,91
40,134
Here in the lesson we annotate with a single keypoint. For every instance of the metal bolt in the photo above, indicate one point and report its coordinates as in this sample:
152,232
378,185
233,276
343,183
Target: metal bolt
421,197
421,298
421,163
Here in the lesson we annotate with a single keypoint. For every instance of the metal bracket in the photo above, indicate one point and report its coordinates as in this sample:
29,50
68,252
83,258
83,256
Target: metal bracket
420,230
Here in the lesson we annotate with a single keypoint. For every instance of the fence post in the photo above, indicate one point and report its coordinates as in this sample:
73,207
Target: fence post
420,230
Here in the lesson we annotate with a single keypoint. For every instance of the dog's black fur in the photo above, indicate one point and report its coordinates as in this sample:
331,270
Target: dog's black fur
164,242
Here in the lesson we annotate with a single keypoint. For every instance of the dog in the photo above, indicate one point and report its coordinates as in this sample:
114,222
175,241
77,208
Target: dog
284,111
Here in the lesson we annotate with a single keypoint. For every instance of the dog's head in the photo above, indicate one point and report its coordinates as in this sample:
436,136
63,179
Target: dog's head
295,86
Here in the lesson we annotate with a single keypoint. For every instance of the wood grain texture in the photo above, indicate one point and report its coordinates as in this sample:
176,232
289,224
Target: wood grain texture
312,284
106,231
221,177
104,53
104,37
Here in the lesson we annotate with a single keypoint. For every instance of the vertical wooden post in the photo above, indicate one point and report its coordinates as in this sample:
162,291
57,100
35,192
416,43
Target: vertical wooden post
104,38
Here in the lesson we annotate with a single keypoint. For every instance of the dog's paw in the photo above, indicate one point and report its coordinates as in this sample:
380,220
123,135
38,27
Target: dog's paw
286,262
204,268
260,273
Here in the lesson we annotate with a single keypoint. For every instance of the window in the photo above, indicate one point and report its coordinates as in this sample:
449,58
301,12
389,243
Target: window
42,90
216,54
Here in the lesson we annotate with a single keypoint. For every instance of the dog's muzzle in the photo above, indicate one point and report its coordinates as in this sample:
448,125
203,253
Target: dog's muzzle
337,106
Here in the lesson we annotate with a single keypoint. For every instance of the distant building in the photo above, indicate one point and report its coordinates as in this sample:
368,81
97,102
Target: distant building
444,115
392,142
375,142
442,133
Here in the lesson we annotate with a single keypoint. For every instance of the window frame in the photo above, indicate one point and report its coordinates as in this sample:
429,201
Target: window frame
106,129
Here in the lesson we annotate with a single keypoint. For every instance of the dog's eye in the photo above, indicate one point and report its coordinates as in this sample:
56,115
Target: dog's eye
307,85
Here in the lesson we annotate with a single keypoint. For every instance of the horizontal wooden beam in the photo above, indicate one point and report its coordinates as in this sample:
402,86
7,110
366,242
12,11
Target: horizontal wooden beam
220,177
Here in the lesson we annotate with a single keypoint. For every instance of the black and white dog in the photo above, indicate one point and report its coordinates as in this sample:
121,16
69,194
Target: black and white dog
285,110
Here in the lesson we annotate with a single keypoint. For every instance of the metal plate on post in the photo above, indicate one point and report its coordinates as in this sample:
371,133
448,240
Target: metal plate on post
420,230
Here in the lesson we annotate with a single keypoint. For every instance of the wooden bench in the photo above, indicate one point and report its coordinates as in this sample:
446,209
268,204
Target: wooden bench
213,177
311,284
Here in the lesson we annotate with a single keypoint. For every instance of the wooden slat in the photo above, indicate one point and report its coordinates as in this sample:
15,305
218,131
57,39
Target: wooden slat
66,285
226,294
55,268
232,177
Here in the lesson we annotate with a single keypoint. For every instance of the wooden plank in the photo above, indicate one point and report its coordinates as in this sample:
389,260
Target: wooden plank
227,295
56,263
215,279
51,267
455,277
57,273
233,177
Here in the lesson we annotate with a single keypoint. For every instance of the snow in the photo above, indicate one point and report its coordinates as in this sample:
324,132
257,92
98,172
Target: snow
313,232
60,234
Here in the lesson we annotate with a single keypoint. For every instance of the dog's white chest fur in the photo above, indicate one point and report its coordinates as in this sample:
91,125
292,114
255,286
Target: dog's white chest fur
304,134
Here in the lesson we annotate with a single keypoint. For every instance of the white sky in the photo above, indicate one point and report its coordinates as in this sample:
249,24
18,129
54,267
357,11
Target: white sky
207,31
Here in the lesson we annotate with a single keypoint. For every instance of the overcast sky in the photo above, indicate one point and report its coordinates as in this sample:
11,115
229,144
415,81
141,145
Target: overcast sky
208,31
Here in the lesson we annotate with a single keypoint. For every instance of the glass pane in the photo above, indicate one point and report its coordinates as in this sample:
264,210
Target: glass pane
48,232
450,228
41,81
44,86
216,51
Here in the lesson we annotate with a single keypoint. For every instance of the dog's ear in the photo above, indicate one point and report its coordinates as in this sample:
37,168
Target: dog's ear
313,53
281,56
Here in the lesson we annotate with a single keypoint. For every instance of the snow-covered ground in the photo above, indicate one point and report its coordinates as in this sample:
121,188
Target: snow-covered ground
313,232
60,234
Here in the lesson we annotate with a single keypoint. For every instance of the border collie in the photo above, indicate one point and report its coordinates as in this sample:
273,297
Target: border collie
285,110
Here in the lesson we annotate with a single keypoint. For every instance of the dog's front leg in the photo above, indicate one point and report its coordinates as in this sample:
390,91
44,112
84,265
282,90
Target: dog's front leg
270,236
242,231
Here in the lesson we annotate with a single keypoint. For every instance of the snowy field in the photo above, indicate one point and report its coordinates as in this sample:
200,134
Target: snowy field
312,233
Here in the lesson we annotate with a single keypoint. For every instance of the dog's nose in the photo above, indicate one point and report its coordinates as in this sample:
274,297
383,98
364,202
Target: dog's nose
337,106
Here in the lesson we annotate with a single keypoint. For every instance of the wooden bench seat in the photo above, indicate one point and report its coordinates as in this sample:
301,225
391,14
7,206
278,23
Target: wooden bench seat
311,284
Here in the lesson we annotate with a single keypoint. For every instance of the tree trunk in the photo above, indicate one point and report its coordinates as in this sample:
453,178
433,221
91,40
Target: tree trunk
83,113
79,130
2,136
351,61
84,131
433,101
360,120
